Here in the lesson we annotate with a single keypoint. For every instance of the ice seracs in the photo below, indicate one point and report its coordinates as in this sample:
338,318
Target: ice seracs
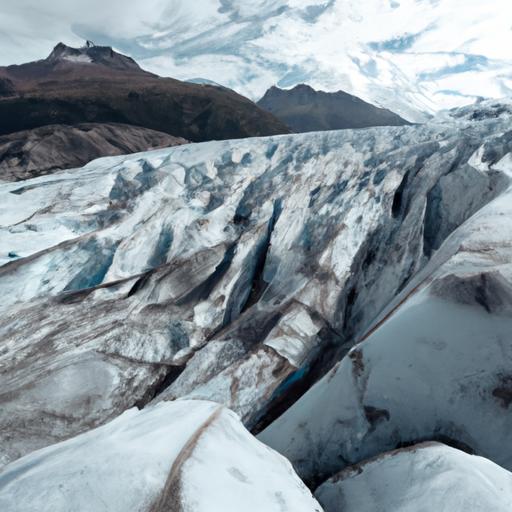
435,364
241,272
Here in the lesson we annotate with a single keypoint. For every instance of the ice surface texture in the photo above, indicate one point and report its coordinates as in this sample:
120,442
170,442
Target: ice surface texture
241,272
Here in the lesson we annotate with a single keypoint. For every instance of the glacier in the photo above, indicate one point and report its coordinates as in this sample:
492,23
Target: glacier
343,293
447,355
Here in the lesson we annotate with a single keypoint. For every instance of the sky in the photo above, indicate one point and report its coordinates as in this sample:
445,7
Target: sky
408,55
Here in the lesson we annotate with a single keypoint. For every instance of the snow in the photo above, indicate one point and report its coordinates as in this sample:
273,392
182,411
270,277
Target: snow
203,81
78,59
241,473
212,462
429,476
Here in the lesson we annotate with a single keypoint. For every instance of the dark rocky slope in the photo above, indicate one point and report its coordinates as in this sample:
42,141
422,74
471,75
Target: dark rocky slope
31,153
305,110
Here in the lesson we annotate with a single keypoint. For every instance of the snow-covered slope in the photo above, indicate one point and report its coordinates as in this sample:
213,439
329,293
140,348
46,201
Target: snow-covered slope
429,476
241,271
188,456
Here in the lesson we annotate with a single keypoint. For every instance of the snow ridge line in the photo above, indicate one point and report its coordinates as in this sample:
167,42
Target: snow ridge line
168,500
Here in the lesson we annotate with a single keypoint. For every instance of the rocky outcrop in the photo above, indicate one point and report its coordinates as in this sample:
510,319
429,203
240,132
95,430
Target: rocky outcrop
6,87
186,456
305,110
32,153
429,476
93,54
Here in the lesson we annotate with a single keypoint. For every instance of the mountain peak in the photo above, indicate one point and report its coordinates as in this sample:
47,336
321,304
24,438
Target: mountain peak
276,91
92,54
59,50
303,88
305,109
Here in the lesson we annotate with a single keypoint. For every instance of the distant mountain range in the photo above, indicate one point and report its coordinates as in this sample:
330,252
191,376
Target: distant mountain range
305,110
95,84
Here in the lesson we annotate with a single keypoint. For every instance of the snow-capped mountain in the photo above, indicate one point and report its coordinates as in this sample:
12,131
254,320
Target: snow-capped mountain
95,84
92,54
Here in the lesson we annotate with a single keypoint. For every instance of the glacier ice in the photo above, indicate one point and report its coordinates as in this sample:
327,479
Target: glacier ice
345,293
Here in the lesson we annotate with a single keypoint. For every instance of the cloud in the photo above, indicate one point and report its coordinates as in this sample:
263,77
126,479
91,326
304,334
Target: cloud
392,53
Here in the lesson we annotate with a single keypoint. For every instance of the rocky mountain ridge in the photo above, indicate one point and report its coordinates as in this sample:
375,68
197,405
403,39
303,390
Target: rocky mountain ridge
92,54
305,110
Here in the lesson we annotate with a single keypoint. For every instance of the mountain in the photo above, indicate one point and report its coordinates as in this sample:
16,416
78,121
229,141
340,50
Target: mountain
412,57
32,153
95,84
99,56
345,293
305,110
